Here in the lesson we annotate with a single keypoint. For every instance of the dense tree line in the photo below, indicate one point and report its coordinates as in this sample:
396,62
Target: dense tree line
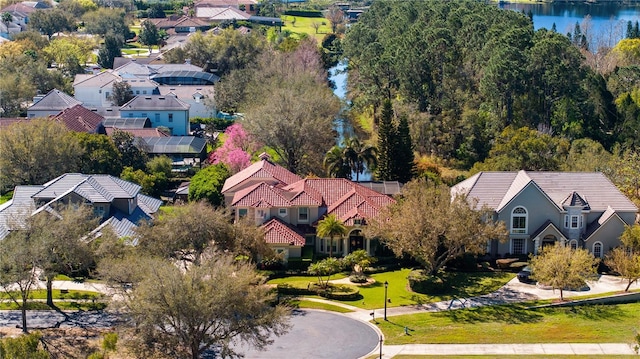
463,71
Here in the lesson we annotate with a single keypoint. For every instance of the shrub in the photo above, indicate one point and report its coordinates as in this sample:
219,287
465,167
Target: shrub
304,13
288,289
298,264
358,278
342,292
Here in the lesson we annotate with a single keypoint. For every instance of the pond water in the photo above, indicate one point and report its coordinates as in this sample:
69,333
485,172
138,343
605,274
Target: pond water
338,76
607,22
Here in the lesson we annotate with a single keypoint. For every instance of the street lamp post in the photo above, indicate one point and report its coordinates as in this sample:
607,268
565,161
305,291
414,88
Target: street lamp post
386,285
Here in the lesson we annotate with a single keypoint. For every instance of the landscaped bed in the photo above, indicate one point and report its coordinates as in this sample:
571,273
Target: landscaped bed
517,324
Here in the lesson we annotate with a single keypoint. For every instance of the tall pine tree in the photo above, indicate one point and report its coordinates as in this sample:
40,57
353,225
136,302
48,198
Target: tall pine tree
386,143
403,155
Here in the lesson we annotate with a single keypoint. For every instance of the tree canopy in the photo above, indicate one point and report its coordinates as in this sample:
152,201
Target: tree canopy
562,267
185,313
433,228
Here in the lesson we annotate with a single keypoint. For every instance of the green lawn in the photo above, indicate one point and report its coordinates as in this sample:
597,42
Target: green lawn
71,305
461,285
303,280
72,294
304,25
307,304
5,197
516,324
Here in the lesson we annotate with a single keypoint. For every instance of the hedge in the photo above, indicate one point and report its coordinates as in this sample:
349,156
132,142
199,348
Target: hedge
304,13
341,292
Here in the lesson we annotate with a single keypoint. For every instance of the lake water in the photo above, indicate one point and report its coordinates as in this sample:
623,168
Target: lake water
608,22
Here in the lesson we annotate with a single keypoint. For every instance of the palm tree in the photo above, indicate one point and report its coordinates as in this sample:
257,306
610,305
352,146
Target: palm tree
336,164
331,227
359,155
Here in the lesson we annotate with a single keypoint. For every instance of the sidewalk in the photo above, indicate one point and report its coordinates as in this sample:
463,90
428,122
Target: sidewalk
512,292
390,351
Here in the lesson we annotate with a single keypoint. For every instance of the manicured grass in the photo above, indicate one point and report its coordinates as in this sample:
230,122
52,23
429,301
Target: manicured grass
72,294
303,280
315,305
516,324
304,25
5,197
84,306
462,285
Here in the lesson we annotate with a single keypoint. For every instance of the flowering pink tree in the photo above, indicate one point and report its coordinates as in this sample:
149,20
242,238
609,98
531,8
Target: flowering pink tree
236,150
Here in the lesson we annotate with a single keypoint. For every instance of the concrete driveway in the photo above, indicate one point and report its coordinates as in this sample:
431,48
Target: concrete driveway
321,335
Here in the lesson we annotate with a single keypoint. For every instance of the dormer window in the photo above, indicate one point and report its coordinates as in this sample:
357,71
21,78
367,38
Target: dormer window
282,212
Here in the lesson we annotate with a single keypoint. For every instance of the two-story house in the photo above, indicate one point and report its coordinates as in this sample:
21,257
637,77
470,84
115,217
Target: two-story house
51,104
289,207
580,209
118,203
163,111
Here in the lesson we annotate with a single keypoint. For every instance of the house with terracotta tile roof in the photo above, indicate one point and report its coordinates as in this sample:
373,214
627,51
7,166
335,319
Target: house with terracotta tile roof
580,209
289,207
80,119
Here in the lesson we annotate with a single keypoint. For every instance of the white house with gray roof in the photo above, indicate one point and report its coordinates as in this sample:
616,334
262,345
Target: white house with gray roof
51,104
580,209
118,203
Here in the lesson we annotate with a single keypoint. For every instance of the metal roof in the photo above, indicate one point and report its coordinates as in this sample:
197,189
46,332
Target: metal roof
126,123
175,144
192,74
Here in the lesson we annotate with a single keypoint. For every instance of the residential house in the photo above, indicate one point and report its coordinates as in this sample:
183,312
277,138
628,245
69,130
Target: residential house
118,203
220,14
580,209
20,13
80,119
176,24
163,111
289,208
194,96
95,90
52,103
248,6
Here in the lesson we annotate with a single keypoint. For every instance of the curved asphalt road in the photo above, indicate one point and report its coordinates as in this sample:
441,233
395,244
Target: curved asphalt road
320,335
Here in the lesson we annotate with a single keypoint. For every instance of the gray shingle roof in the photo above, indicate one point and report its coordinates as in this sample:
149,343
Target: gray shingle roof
93,188
154,102
55,100
497,189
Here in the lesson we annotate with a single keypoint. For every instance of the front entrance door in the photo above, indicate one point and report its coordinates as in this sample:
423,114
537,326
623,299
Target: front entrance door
356,241
549,240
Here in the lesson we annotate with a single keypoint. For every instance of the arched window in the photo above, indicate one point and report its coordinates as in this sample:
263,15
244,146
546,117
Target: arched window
519,220
597,250
574,244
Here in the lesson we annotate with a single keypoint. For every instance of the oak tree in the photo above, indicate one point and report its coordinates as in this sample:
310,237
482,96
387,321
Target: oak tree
563,268
208,307
429,225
